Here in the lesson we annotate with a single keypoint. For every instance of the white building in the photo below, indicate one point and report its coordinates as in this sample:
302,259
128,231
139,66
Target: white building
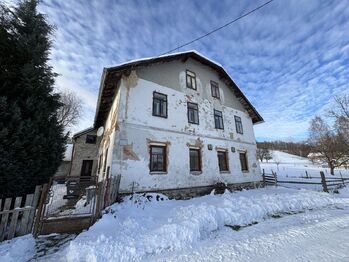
177,124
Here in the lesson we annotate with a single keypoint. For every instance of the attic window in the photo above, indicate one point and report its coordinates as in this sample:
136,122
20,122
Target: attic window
91,139
238,125
215,90
191,80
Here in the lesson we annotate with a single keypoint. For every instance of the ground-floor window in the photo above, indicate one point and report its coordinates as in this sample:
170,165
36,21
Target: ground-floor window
243,161
223,160
195,161
158,158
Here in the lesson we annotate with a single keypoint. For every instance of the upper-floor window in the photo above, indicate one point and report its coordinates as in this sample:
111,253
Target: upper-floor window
191,80
238,125
215,89
193,113
158,159
195,161
91,139
218,119
223,160
159,104
243,161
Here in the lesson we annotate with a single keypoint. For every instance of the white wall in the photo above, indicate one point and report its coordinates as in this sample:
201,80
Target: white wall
137,126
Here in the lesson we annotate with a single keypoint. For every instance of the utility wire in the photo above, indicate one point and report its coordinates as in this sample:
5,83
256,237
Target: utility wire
219,28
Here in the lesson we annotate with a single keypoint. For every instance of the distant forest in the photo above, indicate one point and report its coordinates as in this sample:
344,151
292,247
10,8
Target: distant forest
299,149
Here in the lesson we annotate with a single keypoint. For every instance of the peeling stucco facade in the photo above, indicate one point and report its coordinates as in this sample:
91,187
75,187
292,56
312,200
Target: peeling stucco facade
130,128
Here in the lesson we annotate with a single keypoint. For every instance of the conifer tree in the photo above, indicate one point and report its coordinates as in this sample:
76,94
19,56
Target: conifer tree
31,139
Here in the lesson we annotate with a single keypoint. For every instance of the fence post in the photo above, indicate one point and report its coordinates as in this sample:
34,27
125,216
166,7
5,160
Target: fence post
306,174
44,191
275,178
323,181
342,178
263,176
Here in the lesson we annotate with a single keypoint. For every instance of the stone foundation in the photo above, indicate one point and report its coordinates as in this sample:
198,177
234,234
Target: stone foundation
190,192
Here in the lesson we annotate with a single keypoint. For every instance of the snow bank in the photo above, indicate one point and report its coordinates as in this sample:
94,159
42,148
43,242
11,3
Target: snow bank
143,225
18,249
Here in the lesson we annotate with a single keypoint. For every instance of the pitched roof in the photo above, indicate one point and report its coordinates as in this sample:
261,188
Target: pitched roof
112,75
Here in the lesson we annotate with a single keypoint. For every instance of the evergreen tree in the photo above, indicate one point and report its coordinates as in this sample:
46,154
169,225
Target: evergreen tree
31,139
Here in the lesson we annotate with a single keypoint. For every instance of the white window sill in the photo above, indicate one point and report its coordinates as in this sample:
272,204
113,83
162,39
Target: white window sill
157,173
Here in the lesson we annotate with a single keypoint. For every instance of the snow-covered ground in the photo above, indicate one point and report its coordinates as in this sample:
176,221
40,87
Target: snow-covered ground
295,168
270,224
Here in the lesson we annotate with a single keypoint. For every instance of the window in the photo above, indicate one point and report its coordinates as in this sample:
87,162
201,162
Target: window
223,160
191,80
215,89
195,161
238,125
91,139
193,113
218,119
159,104
158,158
243,162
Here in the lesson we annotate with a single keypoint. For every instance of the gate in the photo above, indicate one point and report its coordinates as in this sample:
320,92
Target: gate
67,205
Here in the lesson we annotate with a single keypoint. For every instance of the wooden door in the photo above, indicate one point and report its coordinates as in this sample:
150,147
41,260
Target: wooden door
86,169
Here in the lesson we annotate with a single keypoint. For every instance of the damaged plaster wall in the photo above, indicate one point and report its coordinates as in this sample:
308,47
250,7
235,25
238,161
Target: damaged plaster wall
129,144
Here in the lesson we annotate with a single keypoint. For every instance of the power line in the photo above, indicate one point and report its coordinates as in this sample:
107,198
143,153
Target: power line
219,28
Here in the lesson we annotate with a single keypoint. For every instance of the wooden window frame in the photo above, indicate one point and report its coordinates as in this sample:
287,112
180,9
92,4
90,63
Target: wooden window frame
246,161
214,117
226,158
164,147
192,79
161,101
215,90
238,125
199,160
197,110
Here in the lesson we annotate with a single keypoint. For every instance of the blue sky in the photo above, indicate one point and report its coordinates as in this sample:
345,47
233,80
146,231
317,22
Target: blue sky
289,58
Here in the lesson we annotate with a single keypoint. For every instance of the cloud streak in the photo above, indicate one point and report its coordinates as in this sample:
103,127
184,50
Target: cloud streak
290,58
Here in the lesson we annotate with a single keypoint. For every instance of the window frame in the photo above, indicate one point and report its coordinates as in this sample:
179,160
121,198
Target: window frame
226,159
198,150
238,125
161,101
93,137
245,160
221,116
192,79
164,155
215,87
197,111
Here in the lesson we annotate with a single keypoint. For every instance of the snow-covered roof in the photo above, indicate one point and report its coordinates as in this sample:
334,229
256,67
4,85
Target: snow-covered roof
68,152
84,131
112,75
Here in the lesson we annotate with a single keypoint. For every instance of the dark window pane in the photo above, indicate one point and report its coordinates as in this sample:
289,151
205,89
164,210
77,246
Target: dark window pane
191,79
218,119
194,155
223,161
238,125
159,104
193,113
91,139
243,162
215,89
158,158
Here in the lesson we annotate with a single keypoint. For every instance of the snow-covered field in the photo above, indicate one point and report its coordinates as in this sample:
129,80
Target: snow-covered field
295,168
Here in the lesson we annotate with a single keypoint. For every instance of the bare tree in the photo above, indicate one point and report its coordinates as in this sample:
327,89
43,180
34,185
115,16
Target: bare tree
262,153
328,143
69,112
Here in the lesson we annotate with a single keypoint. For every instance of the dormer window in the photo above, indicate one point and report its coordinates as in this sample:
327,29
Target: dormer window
215,90
191,79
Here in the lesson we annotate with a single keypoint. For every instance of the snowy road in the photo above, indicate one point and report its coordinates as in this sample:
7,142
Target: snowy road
311,236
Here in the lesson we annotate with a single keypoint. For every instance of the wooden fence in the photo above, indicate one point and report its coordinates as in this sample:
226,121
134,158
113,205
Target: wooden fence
327,183
108,190
17,215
